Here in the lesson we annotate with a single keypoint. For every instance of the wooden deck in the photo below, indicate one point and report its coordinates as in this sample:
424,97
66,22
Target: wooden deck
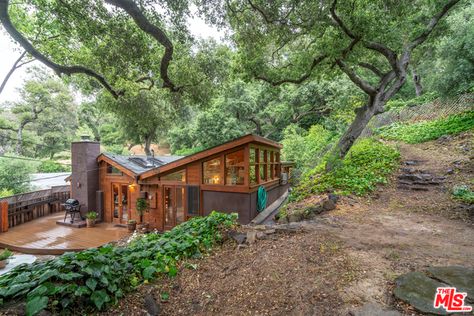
43,236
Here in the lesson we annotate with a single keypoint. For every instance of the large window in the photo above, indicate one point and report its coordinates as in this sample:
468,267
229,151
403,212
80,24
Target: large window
264,165
234,168
211,171
175,176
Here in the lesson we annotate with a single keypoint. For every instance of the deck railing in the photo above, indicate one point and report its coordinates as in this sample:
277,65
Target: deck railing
22,208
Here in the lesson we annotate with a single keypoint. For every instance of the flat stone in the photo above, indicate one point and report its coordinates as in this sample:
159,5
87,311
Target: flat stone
462,278
151,306
418,290
238,237
242,246
251,237
373,309
329,205
261,235
270,231
410,177
294,218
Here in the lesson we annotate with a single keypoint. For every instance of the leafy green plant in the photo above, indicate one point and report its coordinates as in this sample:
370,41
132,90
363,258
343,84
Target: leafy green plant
464,194
92,279
5,254
142,207
368,163
91,215
413,133
132,221
48,166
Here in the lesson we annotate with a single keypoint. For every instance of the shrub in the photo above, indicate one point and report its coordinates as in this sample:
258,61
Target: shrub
188,151
5,254
92,279
48,166
368,163
464,194
413,133
15,176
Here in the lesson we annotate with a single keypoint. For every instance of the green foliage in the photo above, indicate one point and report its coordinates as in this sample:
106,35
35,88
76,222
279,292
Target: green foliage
464,194
5,254
48,166
419,132
142,206
368,163
91,215
401,103
188,151
92,279
6,192
15,175
303,147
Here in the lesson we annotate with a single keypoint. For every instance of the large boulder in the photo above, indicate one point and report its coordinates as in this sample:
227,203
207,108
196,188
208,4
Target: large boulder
418,289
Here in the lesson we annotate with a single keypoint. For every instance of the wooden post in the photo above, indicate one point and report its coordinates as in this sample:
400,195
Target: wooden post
4,216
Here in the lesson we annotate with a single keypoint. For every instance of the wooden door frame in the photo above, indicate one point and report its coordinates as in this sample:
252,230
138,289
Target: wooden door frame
120,210
174,188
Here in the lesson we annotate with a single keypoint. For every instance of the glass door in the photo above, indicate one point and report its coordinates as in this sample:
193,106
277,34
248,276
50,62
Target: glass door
120,205
173,205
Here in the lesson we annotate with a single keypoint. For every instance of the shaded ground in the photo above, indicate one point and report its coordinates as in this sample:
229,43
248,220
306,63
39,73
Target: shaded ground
342,259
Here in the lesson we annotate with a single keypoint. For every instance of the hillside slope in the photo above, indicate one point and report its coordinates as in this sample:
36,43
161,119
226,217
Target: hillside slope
342,260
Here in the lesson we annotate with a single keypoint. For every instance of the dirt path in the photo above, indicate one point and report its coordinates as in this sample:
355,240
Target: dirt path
343,259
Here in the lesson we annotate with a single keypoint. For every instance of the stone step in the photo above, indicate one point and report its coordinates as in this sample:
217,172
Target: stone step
412,188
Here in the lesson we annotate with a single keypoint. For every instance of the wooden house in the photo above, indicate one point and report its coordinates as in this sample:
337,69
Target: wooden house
223,178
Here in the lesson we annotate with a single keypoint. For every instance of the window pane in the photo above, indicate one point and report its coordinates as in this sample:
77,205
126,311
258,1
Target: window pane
261,156
272,156
253,155
212,171
262,172
175,176
234,168
111,169
277,157
179,205
168,206
269,172
253,175
193,200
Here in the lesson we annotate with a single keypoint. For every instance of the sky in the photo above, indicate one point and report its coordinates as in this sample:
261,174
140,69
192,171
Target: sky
9,53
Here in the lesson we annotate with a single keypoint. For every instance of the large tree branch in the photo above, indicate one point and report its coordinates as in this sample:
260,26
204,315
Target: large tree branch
131,8
15,66
365,86
339,21
372,68
59,69
431,25
316,61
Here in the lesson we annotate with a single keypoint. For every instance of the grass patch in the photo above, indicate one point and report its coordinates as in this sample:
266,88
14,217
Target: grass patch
90,280
464,194
413,133
368,163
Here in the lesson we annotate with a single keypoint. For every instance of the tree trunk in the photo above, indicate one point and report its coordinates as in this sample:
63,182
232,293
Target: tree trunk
417,82
148,145
363,116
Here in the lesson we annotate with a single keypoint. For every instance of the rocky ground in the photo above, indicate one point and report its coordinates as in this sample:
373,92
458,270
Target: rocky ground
342,262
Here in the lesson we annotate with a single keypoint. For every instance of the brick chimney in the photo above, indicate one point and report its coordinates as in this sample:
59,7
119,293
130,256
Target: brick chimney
85,173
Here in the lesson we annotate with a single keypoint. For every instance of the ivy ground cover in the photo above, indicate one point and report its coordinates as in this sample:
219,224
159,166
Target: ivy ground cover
92,279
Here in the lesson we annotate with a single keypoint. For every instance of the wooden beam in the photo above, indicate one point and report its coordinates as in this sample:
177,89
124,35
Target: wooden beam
4,216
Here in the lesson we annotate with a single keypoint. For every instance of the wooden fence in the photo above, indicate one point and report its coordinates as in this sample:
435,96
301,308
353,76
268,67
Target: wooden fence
22,208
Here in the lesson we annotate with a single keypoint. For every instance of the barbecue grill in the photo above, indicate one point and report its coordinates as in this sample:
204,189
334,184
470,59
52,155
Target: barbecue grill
72,208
